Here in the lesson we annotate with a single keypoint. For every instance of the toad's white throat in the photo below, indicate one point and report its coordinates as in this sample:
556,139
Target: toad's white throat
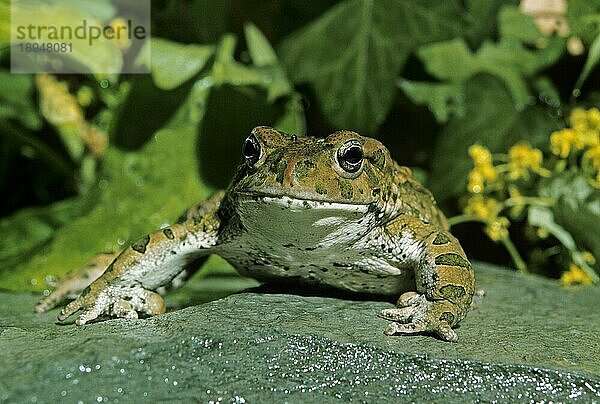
305,223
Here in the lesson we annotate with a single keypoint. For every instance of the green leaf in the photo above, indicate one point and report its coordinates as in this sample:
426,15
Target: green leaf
481,19
264,58
577,209
353,53
172,63
515,25
103,10
584,19
443,99
544,217
24,233
508,60
16,92
226,70
590,63
103,58
260,49
4,23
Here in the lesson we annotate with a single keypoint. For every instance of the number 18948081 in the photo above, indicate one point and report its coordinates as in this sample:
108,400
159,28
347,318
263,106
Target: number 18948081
54,47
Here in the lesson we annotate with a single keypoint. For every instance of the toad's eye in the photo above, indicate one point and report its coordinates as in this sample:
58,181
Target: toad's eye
251,150
350,156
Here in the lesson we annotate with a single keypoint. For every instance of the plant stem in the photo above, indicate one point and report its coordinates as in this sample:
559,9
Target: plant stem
514,254
529,200
454,220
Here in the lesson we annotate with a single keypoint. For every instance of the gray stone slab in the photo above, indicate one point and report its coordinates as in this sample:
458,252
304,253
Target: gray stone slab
529,339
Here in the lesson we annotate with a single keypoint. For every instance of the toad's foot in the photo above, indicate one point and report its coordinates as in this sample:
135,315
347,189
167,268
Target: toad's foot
416,314
72,284
113,300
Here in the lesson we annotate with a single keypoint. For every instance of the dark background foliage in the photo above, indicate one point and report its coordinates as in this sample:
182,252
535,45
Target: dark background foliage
428,78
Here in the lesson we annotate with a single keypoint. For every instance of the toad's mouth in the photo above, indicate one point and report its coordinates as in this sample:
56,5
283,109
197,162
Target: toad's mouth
300,199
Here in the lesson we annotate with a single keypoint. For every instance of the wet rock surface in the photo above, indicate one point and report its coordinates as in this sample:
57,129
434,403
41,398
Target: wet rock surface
528,340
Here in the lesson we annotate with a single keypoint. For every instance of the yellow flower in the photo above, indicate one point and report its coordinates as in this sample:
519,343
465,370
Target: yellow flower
588,257
578,118
591,160
564,141
483,170
586,125
475,182
589,137
521,158
575,276
480,155
483,208
498,229
582,120
592,157
593,118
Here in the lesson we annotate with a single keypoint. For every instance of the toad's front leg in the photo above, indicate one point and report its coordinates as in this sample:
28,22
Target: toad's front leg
128,285
444,283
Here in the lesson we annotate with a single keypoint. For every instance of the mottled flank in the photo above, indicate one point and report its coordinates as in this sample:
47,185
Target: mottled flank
452,259
453,292
169,233
440,239
140,245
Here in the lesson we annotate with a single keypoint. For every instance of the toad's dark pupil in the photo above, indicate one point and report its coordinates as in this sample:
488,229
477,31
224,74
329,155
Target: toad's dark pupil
353,155
251,150
350,156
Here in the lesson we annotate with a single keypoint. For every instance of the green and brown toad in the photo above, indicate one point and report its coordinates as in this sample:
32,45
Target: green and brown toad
336,211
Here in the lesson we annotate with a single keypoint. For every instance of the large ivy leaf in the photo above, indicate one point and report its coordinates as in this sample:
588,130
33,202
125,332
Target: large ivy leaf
173,63
453,61
104,57
443,99
517,26
509,59
352,54
481,19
